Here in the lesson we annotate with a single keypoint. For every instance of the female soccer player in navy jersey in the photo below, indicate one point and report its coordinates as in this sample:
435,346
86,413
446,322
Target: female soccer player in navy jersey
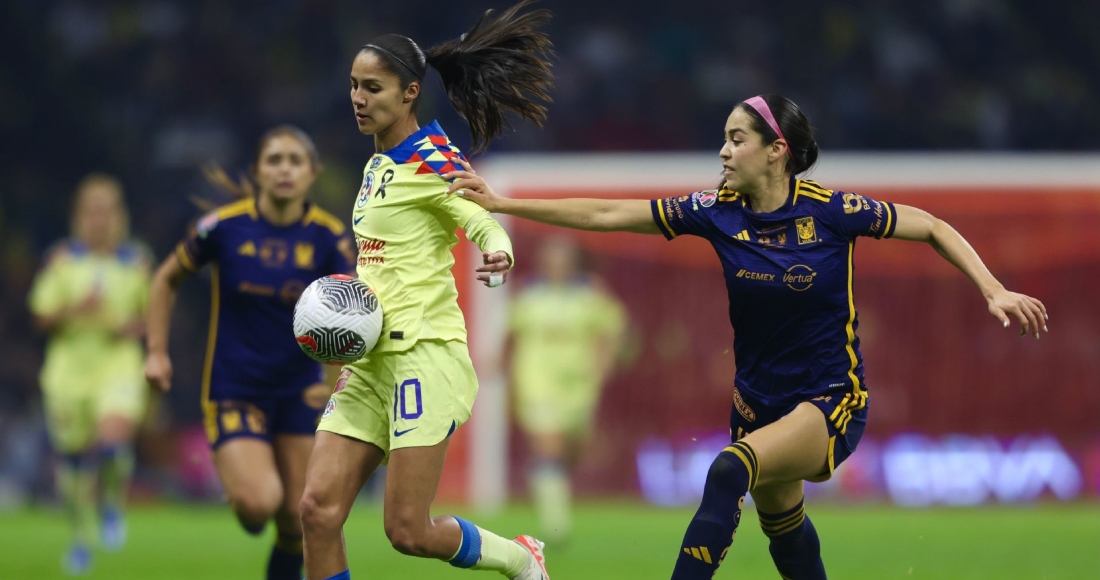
786,244
261,396
402,402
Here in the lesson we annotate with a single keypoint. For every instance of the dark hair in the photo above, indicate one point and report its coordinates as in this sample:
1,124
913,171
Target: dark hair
795,127
244,186
502,64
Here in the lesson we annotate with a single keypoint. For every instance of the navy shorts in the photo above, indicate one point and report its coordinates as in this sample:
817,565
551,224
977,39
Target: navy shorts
260,417
845,416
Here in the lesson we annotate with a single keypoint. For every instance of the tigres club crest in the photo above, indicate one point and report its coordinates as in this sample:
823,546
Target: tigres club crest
806,232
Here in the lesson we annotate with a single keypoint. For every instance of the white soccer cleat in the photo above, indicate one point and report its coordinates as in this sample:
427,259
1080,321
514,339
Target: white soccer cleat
536,564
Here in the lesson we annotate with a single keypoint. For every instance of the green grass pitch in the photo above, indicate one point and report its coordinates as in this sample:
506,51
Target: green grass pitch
612,541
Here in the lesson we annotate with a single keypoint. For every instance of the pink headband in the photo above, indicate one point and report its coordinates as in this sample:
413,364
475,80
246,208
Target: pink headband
758,104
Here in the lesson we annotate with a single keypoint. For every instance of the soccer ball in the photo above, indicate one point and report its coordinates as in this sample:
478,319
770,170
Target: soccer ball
337,319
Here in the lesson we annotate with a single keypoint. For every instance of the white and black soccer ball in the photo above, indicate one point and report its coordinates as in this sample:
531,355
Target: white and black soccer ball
337,319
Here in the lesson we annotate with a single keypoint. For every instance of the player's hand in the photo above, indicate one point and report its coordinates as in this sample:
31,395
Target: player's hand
494,271
1029,312
158,371
465,182
89,305
133,329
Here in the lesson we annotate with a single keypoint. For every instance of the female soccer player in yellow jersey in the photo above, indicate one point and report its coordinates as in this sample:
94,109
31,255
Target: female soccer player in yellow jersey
786,246
261,395
566,331
90,298
402,401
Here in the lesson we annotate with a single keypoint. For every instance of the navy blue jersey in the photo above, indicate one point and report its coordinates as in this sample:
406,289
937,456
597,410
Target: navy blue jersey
789,280
259,270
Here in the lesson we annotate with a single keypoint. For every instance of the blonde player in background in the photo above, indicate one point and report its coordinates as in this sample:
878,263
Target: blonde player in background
90,299
402,402
566,332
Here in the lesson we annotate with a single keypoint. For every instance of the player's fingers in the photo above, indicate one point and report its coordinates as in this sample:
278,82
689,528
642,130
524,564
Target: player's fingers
1020,317
1042,310
456,178
1037,314
494,267
465,164
999,315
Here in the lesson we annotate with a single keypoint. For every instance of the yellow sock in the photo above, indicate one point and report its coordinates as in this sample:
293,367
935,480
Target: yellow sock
551,490
484,550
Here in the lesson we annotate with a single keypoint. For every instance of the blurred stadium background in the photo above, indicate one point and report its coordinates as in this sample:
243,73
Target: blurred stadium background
985,112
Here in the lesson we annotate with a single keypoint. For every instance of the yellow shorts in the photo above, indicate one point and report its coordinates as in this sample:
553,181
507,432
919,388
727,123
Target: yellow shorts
547,407
414,398
73,418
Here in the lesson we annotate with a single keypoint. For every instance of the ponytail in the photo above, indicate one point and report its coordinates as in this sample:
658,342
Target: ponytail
501,65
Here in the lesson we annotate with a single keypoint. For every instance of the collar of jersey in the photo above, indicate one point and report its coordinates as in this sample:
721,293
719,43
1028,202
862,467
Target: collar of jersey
792,187
408,147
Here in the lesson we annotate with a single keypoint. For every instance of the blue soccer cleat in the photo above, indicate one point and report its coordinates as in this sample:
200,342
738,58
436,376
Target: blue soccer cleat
78,560
113,534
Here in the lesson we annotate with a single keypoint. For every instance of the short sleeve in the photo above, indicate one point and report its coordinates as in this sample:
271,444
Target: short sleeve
48,293
685,214
199,245
856,215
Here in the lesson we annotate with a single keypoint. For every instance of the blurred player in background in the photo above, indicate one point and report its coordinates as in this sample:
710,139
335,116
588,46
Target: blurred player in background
566,332
90,299
261,396
786,247
404,399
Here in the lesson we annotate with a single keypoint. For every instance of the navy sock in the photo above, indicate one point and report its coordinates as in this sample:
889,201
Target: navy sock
286,560
795,548
710,533
345,575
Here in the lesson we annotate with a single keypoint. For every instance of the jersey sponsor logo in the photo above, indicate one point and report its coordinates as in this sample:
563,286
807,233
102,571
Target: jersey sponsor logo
807,234
799,277
206,224
364,191
292,291
878,219
374,163
854,202
371,251
705,198
742,235
759,276
303,255
742,408
274,252
356,221
255,289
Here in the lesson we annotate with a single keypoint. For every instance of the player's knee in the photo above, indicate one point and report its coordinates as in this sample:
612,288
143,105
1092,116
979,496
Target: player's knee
407,537
255,506
728,473
318,513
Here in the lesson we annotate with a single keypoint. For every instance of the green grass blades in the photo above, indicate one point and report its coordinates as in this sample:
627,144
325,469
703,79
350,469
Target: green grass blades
611,541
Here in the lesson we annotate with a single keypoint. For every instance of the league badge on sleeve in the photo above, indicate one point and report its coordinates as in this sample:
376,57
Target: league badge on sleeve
206,224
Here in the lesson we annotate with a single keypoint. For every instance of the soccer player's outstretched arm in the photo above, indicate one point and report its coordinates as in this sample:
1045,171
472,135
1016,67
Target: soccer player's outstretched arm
599,215
162,298
920,226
